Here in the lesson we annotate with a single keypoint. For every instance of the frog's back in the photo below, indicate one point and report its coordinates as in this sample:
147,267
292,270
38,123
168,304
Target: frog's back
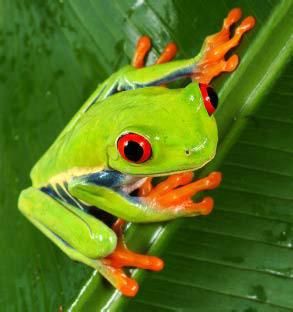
66,152
79,147
47,167
85,141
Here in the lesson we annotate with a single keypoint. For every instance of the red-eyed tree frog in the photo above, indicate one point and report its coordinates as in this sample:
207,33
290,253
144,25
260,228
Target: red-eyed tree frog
99,171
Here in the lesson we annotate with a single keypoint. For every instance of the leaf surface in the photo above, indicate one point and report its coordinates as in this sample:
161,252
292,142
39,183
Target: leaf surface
240,257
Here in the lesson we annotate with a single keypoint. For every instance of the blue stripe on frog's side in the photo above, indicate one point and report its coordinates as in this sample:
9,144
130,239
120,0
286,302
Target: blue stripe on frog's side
111,179
107,178
184,72
60,192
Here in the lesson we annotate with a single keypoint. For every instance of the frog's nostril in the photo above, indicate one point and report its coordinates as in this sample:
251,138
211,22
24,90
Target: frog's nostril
187,152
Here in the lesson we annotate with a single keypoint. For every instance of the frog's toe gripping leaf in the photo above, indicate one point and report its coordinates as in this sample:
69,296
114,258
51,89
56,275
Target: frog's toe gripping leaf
126,285
176,192
123,257
212,56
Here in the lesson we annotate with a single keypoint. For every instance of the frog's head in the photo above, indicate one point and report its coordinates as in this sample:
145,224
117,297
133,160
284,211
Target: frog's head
158,131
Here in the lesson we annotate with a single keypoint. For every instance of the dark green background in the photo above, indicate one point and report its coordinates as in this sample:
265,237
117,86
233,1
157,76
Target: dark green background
240,258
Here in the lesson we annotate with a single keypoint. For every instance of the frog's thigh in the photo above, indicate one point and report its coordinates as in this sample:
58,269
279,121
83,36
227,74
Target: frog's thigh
79,235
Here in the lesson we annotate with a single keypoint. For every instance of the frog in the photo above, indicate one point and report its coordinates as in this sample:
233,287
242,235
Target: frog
98,174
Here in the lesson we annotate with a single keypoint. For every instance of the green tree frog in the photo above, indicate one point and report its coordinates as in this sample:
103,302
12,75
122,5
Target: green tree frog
98,172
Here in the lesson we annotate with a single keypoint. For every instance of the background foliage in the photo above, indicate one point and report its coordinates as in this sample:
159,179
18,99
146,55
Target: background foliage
240,258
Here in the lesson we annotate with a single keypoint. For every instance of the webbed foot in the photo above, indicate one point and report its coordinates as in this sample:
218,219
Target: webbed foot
212,61
123,257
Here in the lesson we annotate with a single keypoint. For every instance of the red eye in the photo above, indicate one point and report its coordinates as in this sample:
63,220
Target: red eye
134,148
210,98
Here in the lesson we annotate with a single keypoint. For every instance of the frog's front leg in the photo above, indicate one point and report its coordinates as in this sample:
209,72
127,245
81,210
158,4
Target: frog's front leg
176,192
209,63
168,200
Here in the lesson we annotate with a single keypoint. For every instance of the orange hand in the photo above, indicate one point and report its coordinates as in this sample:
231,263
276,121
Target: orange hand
176,192
213,62
204,207
171,183
181,194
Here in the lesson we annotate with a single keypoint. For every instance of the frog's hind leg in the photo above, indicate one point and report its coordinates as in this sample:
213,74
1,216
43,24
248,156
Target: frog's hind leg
72,229
79,235
123,257
212,56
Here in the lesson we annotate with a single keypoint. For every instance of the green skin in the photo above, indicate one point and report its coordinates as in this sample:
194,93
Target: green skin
182,135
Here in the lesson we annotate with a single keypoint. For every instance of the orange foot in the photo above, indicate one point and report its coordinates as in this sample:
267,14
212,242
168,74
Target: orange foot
176,192
123,257
212,61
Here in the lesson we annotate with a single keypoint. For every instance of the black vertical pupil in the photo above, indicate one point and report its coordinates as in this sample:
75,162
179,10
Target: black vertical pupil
133,151
213,97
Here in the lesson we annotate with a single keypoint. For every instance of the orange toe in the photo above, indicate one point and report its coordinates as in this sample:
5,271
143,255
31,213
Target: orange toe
128,286
168,54
143,46
214,179
207,206
155,264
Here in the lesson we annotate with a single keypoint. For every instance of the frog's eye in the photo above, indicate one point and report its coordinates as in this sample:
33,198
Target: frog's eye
210,98
134,147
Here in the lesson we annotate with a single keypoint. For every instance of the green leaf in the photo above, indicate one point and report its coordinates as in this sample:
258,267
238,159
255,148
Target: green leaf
237,259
